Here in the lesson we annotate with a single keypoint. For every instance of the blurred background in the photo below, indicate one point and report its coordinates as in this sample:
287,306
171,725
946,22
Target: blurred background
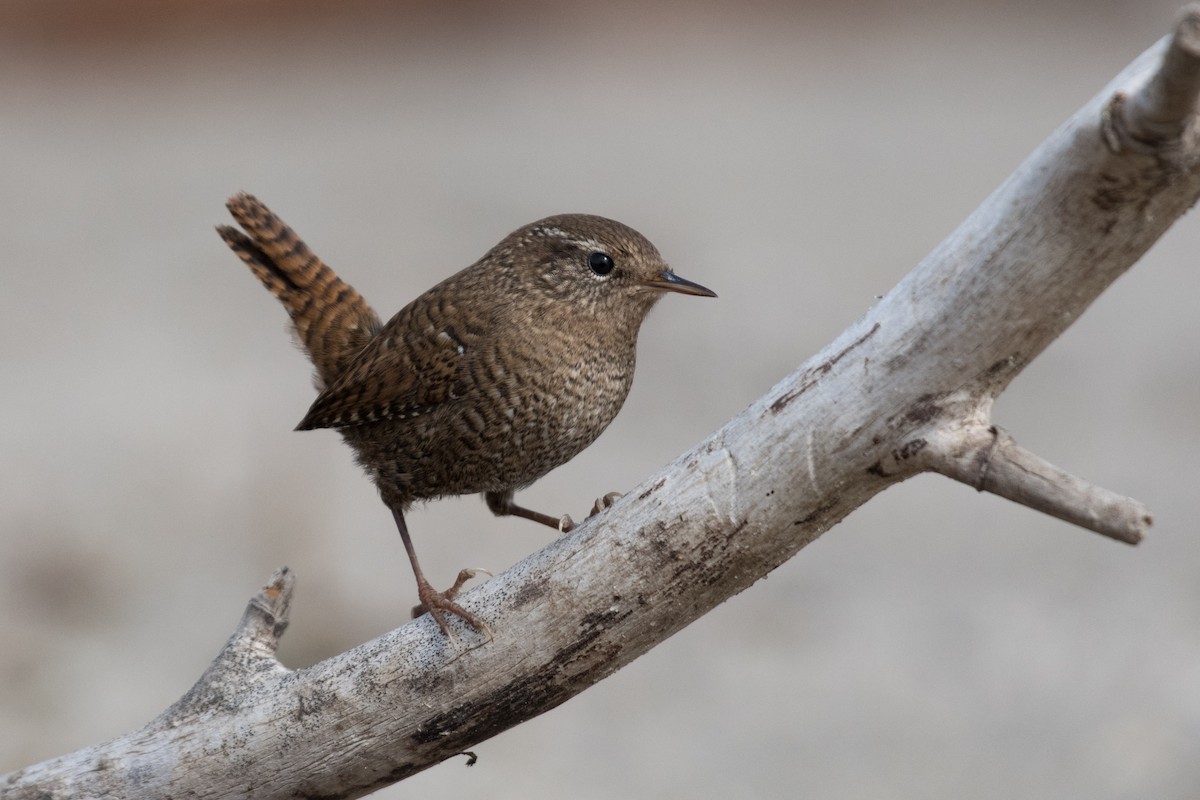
798,158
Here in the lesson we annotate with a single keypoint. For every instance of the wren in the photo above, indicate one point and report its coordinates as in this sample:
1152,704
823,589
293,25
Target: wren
484,383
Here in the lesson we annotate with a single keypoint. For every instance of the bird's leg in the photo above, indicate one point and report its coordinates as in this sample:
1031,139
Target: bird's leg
431,599
501,504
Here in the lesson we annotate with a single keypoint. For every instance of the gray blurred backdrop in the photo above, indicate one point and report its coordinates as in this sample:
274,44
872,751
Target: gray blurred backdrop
798,158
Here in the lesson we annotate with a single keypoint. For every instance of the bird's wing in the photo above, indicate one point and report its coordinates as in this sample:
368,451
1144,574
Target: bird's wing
415,364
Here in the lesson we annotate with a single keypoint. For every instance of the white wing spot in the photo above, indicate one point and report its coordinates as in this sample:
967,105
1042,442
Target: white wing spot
446,336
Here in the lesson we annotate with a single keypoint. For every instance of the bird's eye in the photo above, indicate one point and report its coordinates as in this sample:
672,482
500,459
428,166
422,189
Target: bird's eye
601,263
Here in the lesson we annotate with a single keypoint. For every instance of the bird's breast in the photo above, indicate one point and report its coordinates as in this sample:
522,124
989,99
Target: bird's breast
525,408
547,408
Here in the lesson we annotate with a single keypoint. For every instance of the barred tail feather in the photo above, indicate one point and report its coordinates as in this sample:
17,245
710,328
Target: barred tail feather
332,320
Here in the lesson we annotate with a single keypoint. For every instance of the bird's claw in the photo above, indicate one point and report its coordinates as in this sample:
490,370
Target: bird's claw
566,524
464,575
439,603
605,502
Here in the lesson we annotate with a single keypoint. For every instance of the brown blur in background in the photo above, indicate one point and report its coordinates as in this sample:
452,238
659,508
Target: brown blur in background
798,158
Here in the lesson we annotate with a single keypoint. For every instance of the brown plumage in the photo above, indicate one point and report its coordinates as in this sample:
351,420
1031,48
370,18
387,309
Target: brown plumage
484,383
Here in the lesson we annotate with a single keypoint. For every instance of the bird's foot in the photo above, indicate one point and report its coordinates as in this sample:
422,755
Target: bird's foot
566,524
440,603
605,502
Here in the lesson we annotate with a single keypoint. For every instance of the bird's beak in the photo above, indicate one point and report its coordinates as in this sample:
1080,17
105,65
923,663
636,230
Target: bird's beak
668,281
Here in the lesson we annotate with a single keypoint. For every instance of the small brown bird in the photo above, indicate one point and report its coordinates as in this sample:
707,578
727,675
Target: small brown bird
484,383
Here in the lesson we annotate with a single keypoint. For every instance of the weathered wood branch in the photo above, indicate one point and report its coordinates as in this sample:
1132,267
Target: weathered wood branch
909,388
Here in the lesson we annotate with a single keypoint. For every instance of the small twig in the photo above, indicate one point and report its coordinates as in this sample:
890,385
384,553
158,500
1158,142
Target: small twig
263,622
990,460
